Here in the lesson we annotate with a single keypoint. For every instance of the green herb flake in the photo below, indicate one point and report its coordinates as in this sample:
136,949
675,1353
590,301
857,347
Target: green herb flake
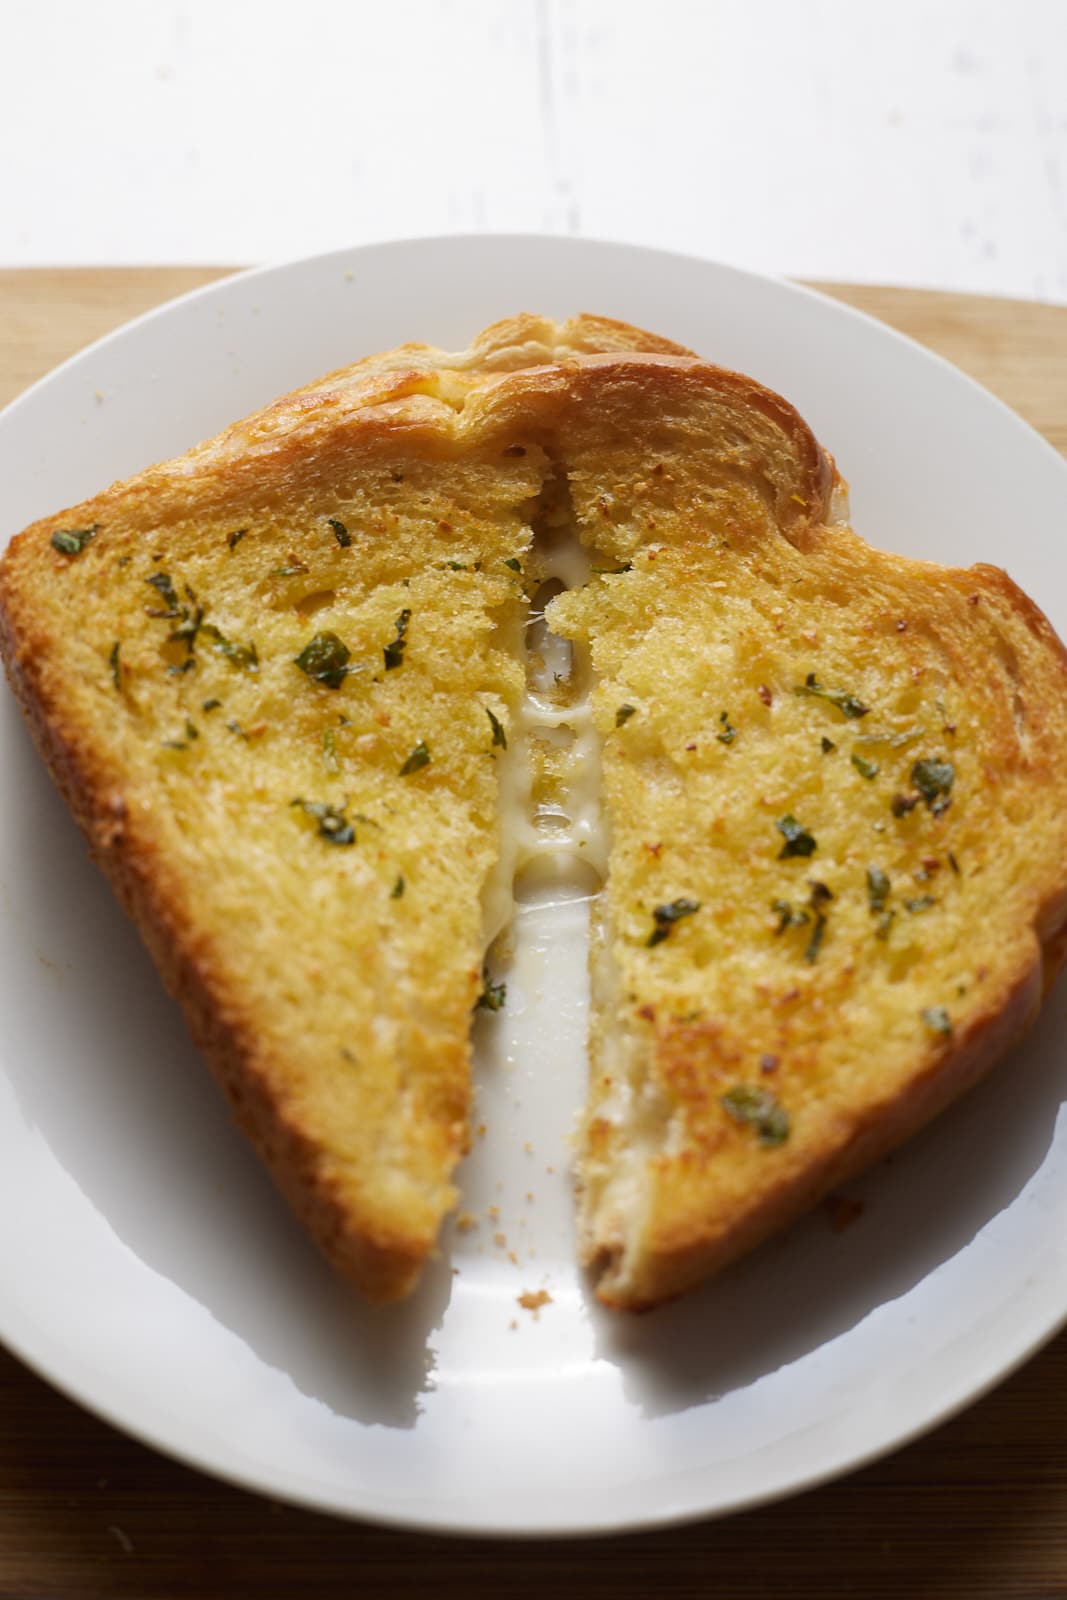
885,923
397,891
756,1107
865,768
666,916
419,757
325,659
827,745
235,727
115,664
798,841
293,570
953,863
457,566
210,705
499,736
235,537
72,541
334,826
340,532
820,897
611,572
188,665
623,714
877,888
846,703
513,563
728,734
394,651
243,656
934,780
163,586
788,915
922,903
492,997
937,1019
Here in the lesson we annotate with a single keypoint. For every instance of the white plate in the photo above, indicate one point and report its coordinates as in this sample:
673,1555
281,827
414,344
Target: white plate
148,1268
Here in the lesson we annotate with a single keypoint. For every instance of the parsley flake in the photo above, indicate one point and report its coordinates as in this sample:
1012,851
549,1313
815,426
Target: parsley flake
115,664
419,757
757,1107
728,734
934,780
325,659
334,826
666,916
499,736
340,532
394,651
877,888
623,714
865,768
846,703
937,1019
798,841
72,541
492,997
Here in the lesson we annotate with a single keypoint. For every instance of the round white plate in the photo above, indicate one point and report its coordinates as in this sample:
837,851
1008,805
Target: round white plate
148,1268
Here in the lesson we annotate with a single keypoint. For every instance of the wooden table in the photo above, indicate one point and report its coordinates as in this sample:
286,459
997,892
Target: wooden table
979,1508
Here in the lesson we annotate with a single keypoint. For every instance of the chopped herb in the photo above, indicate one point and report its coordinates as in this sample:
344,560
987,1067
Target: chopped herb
513,563
394,652
758,1108
334,826
210,705
798,841
235,727
666,916
72,541
788,916
329,749
340,532
934,780
865,768
235,538
499,736
115,664
728,734
827,745
419,757
188,665
820,896
492,996
623,714
953,863
922,903
457,566
901,804
877,888
397,891
290,571
244,656
885,922
627,566
325,658
847,704
937,1020
191,730
161,582
175,744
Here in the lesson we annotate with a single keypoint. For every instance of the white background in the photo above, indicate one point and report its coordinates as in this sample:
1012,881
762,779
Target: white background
903,141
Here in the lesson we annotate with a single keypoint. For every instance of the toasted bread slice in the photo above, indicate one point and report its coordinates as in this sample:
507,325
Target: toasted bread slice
275,681
836,783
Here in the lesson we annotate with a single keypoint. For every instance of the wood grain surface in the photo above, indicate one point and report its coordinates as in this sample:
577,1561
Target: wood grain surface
977,1509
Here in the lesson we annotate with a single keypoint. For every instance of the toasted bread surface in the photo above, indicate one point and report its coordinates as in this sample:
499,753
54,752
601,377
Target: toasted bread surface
275,681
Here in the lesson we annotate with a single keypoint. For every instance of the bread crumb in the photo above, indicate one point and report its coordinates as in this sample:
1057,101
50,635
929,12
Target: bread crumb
465,1222
493,1213
500,1240
513,1258
513,1325
528,1147
534,1299
842,1211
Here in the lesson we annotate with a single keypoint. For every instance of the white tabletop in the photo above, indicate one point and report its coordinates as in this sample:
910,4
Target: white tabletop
904,141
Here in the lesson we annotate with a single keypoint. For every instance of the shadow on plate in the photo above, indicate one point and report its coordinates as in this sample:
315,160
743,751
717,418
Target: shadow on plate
129,1111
